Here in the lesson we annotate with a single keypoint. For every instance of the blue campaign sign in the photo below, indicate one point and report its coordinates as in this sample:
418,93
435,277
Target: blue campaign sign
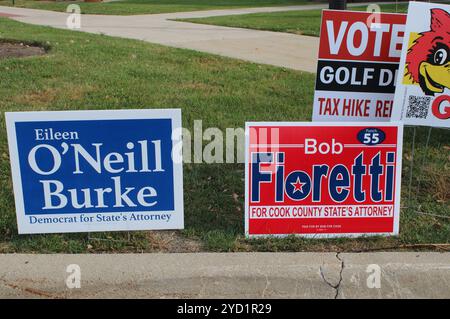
96,170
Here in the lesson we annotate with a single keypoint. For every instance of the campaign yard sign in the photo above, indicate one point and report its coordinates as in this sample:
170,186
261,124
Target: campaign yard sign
422,96
357,67
85,171
322,179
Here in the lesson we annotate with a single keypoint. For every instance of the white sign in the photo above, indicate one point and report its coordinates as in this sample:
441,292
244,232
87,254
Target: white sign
422,95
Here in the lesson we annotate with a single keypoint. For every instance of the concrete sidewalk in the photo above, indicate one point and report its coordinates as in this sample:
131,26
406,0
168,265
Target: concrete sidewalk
279,49
228,275
274,48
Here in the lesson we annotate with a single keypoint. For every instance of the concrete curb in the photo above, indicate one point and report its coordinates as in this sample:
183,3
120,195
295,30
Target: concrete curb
228,275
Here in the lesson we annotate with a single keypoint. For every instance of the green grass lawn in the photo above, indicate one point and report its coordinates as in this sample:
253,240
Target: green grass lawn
306,22
128,7
85,71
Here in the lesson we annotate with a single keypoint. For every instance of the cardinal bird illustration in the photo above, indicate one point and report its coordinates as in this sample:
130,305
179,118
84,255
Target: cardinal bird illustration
428,59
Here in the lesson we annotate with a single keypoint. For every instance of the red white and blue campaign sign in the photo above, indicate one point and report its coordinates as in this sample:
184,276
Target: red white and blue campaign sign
357,68
322,179
85,171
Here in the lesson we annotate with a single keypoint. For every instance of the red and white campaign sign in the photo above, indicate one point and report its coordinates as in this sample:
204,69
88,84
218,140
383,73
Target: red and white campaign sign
322,179
358,63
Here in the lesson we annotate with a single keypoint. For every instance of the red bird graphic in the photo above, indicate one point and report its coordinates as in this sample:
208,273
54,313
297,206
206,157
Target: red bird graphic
428,59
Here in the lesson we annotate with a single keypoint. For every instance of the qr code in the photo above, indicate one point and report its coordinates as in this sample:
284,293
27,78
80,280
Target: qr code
418,107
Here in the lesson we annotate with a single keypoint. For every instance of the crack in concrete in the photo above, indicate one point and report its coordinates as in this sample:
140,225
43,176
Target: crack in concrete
338,285
266,287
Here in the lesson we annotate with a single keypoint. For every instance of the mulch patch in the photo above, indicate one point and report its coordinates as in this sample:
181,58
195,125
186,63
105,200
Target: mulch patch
19,50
